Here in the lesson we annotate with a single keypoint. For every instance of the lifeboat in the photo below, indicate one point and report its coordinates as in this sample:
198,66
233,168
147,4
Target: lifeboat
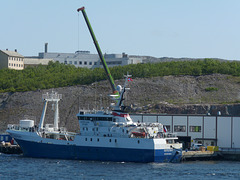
139,134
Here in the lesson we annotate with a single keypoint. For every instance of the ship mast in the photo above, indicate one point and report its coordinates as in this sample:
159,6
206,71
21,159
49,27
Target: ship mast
55,98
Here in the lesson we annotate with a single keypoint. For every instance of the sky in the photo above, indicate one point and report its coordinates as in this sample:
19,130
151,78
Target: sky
158,28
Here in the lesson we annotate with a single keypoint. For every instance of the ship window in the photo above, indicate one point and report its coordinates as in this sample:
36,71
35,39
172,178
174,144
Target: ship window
104,118
85,139
92,129
110,140
98,139
91,139
97,129
138,141
115,140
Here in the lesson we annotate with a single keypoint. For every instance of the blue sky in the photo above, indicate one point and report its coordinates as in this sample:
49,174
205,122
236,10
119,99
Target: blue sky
159,28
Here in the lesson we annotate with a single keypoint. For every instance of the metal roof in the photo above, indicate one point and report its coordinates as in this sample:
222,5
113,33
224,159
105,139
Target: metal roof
12,53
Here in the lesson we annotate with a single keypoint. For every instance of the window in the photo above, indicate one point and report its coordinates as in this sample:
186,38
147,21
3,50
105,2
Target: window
90,63
65,62
95,63
75,62
85,62
179,128
195,128
80,62
70,62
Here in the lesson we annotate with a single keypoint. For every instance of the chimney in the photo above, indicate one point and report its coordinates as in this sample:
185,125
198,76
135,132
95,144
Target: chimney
46,47
15,50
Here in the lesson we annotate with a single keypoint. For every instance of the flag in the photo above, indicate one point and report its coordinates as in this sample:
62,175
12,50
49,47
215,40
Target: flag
130,79
165,129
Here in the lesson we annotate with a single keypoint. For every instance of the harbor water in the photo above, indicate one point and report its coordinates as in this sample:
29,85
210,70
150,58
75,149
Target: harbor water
17,167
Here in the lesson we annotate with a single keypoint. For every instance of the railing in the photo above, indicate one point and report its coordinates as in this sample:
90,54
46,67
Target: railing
19,128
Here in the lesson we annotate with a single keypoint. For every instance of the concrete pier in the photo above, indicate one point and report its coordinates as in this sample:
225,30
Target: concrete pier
199,155
230,154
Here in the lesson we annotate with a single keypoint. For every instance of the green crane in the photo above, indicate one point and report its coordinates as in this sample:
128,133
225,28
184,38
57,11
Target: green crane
110,78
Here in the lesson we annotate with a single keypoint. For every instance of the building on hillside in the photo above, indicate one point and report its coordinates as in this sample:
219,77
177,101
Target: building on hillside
11,60
85,59
35,62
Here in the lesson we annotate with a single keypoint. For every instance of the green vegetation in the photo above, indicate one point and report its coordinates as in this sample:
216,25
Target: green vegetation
59,75
211,89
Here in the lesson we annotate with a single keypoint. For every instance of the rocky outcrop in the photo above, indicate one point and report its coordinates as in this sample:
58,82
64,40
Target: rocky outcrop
207,94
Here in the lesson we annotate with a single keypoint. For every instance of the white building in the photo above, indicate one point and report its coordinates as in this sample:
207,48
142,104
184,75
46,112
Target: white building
85,59
222,131
11,60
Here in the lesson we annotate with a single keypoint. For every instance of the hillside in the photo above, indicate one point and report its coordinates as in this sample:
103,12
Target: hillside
168,94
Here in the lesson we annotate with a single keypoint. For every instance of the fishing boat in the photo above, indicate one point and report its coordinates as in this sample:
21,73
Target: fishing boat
105,135
109,135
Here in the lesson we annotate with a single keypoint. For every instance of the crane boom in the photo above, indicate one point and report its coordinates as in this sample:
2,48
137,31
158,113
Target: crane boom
110,78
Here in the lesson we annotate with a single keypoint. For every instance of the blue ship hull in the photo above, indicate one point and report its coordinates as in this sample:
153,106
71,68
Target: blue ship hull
45,150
